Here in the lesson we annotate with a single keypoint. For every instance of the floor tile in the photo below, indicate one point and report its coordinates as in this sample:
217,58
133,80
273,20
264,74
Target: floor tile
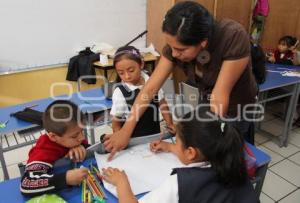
284,151
276,187
13,171
275,158
297,130
268,117
295,158
17,155
287,170
265,199
102,130
295,139
292,198
274,127
261,138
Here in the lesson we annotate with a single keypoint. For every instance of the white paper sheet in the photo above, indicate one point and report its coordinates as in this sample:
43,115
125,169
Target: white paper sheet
145,170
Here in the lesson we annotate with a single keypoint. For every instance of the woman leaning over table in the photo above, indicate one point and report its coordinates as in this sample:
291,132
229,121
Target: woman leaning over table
215,57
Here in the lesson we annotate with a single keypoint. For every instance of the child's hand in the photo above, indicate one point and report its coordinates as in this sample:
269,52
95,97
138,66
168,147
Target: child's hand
114,176
158,146
77,154
271,58
76,176
294,48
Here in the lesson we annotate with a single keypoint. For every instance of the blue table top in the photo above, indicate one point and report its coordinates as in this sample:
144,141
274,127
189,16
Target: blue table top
88,101
10,191
275,79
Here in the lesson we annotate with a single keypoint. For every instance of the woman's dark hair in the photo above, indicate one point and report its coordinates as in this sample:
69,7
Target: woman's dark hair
222,148
258,59
190,22
127,52
60,115
288,40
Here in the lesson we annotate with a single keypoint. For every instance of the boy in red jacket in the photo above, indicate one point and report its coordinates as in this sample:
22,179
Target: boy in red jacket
62,121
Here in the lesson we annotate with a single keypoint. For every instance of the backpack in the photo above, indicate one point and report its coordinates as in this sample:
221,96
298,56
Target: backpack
258,59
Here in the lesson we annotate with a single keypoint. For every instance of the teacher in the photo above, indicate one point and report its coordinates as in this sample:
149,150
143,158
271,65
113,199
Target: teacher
216,58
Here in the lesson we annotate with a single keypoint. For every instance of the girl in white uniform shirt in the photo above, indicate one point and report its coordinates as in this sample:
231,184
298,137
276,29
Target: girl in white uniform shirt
215,171
129,64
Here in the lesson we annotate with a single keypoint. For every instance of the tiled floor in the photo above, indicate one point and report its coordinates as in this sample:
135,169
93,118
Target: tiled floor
282,181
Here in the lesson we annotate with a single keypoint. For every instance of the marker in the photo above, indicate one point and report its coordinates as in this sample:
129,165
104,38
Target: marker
29,107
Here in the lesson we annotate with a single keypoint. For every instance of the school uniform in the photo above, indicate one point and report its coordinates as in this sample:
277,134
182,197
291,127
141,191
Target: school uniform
123,98
39,176
197,183
284,58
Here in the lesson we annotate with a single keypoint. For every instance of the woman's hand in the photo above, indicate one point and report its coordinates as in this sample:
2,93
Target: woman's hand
160,146
116,142
114,176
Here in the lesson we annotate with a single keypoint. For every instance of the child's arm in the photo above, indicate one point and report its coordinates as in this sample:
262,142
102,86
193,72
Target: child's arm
294,50
162,146
77,154
165,111
116,124
39,179
119,179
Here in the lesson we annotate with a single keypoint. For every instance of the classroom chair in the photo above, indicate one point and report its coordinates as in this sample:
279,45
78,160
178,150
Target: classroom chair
189,97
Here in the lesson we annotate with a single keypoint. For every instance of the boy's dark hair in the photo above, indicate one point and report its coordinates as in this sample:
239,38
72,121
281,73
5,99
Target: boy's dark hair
223,149
288,40
190,22
60,115
258,59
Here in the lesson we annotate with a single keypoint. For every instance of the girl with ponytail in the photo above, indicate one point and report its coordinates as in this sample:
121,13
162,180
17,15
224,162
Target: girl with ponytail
215,170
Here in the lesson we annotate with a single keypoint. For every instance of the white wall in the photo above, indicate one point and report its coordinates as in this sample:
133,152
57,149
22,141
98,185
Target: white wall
44,32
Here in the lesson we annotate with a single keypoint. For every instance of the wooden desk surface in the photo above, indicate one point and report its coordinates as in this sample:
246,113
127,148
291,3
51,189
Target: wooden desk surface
146,57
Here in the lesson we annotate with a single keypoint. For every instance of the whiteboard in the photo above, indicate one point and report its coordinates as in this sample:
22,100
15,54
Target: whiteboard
41,33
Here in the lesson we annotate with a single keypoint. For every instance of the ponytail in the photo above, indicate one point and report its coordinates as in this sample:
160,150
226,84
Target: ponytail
228,160
219,142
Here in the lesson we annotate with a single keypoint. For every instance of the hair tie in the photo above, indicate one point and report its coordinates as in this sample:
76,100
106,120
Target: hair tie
181,24
222,126
132,52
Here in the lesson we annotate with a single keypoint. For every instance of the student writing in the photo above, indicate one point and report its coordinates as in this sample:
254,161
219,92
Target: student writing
215,170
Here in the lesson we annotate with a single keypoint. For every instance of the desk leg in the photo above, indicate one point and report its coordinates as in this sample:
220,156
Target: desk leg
289,116
3,164
90,128
105,74
293,110
260,174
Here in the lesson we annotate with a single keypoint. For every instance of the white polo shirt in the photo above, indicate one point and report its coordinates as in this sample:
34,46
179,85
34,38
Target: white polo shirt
167,192
119,107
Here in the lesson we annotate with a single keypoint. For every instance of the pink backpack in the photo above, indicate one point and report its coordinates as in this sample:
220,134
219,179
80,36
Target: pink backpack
261,8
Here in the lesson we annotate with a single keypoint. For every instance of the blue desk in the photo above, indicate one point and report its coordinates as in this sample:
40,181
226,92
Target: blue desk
274,81
10,192
89,101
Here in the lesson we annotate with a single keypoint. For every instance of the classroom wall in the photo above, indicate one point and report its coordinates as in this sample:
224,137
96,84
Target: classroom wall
283,19
26,86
